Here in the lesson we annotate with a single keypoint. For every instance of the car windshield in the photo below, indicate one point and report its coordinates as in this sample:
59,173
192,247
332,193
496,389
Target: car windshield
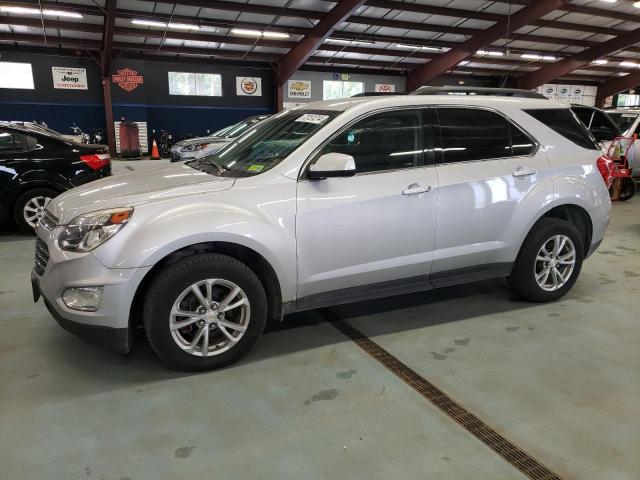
624,120
266,144
238,129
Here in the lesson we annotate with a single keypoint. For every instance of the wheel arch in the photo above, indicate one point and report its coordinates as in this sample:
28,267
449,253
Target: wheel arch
254,260
573,213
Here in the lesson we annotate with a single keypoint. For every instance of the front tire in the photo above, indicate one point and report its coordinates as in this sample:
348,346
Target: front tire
30,207
549,261
204,312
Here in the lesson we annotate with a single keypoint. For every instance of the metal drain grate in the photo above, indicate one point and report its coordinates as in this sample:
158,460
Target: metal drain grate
517,457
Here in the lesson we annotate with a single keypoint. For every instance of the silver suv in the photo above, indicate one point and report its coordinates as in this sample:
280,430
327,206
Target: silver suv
336,202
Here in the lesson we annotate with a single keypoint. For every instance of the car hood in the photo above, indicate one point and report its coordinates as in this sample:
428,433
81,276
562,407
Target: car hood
136,189
201,140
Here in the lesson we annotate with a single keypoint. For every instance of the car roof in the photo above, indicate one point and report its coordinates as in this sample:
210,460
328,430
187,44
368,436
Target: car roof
426,100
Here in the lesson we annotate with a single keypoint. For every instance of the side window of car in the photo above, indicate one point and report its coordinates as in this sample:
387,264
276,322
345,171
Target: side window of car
472,134
602,128
384,141
13,142
584,114
521,144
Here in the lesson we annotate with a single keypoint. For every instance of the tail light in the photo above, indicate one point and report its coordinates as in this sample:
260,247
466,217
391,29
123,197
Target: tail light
96,161
605,167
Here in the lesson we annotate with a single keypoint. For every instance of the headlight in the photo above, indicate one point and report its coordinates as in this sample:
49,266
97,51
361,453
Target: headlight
193,148
86,232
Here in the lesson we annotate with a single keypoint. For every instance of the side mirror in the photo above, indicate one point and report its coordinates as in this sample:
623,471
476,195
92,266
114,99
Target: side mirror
332,165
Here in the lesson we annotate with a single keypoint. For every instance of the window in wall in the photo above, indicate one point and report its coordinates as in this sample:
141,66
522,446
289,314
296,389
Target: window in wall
336,89
473,134
16,75
195,84
385,141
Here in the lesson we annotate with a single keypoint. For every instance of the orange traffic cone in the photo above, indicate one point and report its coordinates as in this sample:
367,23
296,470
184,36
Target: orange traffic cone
155,154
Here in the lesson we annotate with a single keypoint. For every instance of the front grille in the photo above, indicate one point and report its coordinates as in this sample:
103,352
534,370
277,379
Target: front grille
48,220
41,256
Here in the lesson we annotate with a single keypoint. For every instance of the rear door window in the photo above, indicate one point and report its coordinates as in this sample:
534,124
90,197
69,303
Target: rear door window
13,142
469,134
565,122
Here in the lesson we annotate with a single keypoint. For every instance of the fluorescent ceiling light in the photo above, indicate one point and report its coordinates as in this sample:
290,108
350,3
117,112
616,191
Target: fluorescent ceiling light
600,61
149,23
258,33
183,26
550,58
36,11
531,56
419,47
275,35
636,4
491,53
348,42
629,64
155,23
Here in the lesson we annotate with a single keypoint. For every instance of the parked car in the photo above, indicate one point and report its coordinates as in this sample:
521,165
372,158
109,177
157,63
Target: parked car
37,164
199,147
331,203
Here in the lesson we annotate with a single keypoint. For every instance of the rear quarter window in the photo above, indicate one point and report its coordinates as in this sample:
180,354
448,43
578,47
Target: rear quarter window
564,122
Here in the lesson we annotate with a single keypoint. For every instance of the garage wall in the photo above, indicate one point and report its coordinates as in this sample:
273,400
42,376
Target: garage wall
317,78
58,108
149,102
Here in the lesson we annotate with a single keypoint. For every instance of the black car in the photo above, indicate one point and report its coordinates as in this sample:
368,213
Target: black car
37,164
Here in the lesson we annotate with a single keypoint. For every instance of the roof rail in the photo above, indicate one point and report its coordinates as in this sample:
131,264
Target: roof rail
459,90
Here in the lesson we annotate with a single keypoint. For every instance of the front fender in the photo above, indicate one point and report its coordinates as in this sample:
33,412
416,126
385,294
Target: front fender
153,235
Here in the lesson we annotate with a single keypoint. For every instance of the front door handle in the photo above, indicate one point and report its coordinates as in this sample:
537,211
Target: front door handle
416,188
524,172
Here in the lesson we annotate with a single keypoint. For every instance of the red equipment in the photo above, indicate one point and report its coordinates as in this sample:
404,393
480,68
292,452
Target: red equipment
621,151
129,140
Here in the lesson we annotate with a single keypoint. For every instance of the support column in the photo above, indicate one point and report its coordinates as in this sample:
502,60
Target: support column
108,112
279,96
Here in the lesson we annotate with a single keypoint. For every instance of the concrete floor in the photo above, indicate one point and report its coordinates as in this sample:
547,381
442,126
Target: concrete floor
561,380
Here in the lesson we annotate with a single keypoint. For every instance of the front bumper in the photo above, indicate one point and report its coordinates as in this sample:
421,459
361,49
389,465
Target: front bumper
109,325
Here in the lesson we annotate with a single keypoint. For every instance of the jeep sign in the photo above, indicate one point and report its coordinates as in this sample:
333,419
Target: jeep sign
69,78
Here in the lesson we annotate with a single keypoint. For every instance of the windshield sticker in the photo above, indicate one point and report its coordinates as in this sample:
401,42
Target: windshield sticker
255,168
312,118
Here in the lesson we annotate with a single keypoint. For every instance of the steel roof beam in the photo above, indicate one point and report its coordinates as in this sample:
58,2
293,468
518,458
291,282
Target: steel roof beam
466,49
618,85
579,60
299,54
107,36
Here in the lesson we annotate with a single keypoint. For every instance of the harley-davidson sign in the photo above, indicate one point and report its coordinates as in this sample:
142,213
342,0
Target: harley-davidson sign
127,79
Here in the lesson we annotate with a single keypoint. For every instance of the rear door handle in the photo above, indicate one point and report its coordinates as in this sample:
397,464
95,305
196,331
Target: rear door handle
524,172
416,188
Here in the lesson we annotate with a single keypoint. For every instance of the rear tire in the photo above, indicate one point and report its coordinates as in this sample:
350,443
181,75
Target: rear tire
627,189
542,274
219,327
30,206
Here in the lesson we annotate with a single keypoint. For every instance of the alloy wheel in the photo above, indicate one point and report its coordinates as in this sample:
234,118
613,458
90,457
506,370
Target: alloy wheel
34,210
555,263
209,317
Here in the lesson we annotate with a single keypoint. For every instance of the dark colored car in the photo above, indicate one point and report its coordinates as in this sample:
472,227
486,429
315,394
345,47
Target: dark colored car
38,164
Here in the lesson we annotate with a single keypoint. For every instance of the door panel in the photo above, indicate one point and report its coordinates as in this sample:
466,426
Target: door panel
363,229
377,226
480,200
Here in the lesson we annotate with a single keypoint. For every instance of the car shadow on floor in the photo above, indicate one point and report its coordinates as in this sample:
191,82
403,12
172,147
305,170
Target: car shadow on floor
307,330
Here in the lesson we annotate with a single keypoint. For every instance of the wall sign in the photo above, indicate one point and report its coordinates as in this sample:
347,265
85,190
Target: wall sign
67,78
299,89
127,79
340,76
385,87
249,86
